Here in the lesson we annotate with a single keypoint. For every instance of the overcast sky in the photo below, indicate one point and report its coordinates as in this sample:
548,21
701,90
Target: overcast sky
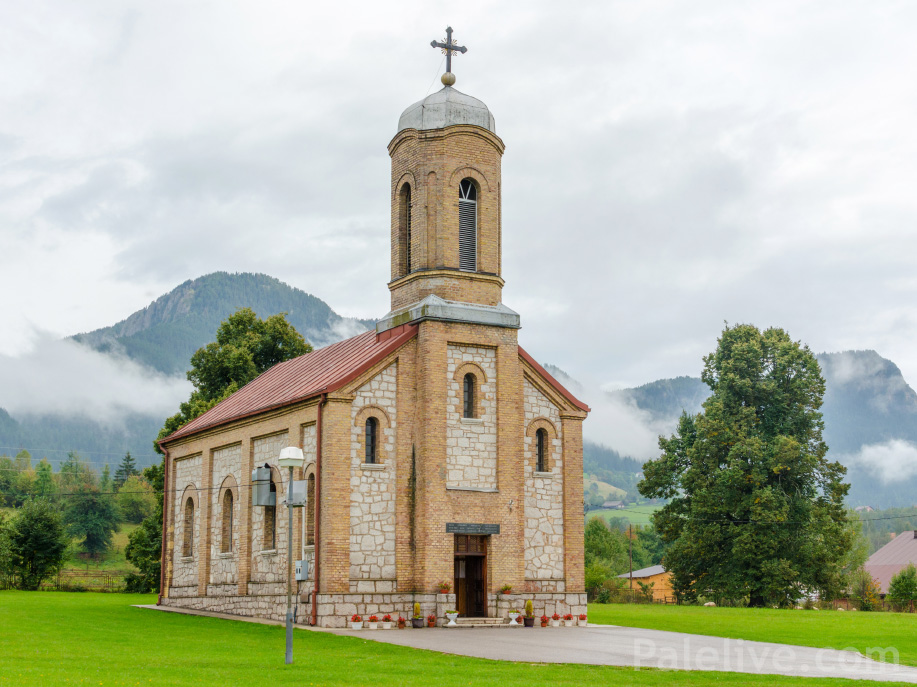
668,166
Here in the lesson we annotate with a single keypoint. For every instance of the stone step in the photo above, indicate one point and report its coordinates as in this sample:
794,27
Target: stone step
480,621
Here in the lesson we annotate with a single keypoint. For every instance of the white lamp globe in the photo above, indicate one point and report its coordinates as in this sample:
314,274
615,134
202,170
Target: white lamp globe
291,457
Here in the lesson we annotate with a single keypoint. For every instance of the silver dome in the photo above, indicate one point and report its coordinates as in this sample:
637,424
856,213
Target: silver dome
445,108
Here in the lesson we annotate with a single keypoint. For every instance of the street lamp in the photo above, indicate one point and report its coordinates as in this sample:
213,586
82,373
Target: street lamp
290,457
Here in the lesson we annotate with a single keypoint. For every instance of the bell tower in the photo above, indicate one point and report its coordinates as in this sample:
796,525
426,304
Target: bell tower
446,204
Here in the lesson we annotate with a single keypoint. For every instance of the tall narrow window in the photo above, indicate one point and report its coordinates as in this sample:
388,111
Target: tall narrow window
541,450
187,548
310,511
406,226
372,430
227,522
468,226
269,541
468,395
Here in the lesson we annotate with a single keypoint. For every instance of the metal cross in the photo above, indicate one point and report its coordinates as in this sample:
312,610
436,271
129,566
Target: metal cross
448,47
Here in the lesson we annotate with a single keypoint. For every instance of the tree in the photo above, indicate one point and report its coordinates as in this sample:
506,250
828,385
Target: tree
125,470
74,474
864,590
136,499
145,543
44,480
902,590
245,347
92,517
37,543
105,485
755,511
605,545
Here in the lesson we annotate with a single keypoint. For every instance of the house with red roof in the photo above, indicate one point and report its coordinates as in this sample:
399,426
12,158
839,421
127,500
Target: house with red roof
442,462
892,559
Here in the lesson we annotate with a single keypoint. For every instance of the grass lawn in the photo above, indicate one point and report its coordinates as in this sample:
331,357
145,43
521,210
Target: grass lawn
52,638
636,515
822,629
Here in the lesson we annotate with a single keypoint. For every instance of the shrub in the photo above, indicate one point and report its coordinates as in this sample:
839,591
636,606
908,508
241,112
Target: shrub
864,590
37,543
902,590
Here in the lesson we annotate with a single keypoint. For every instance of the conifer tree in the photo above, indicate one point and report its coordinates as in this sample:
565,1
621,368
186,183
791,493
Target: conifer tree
125,470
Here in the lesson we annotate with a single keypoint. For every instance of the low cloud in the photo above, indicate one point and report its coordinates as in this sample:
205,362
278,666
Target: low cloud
62,377
892,461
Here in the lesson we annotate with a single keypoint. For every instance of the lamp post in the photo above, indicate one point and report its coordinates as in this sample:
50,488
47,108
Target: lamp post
290,457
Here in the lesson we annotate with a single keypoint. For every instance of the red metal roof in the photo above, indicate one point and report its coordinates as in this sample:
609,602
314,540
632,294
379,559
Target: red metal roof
321,371
892,558
553,382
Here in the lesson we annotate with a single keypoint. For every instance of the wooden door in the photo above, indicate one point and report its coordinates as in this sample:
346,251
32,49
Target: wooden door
471,575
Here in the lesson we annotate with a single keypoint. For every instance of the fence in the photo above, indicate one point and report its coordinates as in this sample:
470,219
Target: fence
77,580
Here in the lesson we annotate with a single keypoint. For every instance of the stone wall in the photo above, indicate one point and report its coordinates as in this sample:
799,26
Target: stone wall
544,498
372,486
187,484
224,565
268,564
471,443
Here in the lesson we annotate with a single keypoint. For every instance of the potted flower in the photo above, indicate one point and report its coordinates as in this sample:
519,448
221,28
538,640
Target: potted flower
544,621
529,618
444,587
373,622
386,622
555,620
506,589
356,622
568,620
451,615
582,620
417,618
513,617
402,623
431,620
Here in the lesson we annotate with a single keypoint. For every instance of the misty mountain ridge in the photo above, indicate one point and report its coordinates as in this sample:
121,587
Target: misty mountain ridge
161,338
870,414
166,333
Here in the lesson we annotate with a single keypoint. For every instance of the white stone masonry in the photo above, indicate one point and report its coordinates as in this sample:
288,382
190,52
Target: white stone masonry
471,445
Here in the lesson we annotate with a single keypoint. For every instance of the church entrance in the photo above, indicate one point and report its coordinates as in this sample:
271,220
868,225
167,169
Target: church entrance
470,575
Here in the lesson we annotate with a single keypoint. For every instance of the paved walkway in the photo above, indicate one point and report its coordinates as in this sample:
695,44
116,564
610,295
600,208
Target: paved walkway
631,647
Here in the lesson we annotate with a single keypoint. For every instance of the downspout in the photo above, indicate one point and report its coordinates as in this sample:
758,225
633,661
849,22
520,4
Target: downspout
165,524
318,507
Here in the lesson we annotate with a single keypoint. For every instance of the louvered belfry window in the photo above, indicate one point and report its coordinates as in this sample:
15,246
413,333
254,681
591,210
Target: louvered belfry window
406,223
468,226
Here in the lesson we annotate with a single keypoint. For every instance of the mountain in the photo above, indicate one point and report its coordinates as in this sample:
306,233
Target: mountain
870,415
169,330
163,336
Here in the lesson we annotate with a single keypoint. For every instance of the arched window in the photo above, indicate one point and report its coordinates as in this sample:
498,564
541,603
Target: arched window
372,432
405,211
269,542
541,450
468,393
226,546
187,548
310,511
468,226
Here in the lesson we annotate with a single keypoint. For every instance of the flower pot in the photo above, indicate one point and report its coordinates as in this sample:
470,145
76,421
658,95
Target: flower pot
356,625
386,626
513,619
544,623
529,622
582,623
431,623
373,626
555,623
403,625
568,623
451,617
417,622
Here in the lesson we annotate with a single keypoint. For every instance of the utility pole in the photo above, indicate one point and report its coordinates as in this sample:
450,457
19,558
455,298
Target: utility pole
290,457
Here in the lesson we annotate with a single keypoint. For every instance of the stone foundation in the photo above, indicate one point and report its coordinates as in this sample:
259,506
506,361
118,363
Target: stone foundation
335,610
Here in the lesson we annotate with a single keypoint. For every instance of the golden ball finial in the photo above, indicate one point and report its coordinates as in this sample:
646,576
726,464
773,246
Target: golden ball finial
448,79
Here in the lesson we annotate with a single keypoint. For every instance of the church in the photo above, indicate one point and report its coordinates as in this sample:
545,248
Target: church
438,453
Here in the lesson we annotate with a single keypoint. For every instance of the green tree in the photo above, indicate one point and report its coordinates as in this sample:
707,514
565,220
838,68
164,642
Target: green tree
145,543
245,347
136,499
864,590
755,509
44,479
74,474
37,543
902,590
125,470
4,546
92,517
604,544
105,485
